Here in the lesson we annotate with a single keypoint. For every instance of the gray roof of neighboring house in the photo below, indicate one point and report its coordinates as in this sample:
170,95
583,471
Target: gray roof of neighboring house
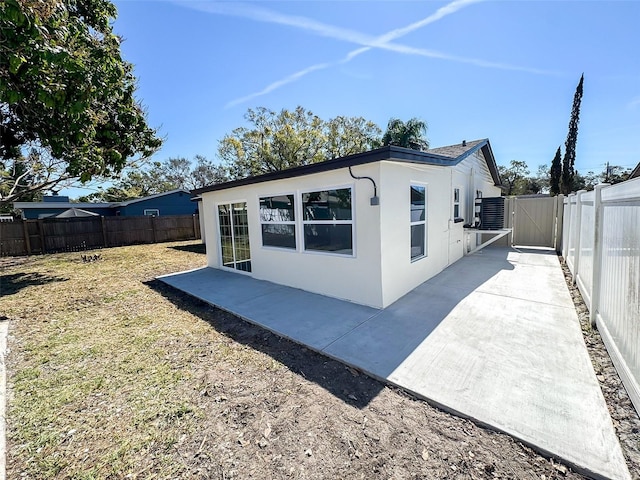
444,156
635,173
76,212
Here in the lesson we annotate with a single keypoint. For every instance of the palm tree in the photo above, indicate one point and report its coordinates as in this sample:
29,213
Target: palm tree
410,134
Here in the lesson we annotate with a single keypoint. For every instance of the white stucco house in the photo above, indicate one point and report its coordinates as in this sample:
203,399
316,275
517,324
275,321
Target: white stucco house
367,228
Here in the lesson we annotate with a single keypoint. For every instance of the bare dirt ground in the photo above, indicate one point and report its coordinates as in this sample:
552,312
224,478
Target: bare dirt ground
625,418
115,375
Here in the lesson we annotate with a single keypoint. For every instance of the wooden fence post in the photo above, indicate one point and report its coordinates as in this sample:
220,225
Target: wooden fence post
105,237
42,237
153,228
195,227
27,240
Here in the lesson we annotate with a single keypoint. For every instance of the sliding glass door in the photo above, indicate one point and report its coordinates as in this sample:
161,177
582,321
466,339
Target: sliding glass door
234,236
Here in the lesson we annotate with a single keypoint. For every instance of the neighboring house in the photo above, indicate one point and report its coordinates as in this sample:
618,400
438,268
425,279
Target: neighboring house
366,228
175,202
635,173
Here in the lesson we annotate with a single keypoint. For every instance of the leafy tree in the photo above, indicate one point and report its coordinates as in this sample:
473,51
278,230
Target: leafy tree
145,181
279,140
350,135
410,134
206,173
181,173
615,174
25,177
65,89
569,159
514,177
275,141
109,195
175,172
15,179
160,177
584,182
555,173
542,179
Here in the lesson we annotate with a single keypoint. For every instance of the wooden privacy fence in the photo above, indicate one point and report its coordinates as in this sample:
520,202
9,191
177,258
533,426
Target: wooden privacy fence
602,250
49,235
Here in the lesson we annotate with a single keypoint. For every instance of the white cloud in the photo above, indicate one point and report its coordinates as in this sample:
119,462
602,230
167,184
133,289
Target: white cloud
280,83
367,42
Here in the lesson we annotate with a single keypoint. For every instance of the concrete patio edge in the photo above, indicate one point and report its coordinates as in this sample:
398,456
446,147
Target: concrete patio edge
604,462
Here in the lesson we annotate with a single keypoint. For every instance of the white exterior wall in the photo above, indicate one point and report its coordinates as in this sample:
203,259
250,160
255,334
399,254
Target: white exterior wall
399,274
381,270
444,237
356,278
475,175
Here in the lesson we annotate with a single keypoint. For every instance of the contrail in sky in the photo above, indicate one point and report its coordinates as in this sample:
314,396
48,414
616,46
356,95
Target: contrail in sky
367,42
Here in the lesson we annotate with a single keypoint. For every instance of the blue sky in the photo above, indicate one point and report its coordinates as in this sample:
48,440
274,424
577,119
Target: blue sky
503,70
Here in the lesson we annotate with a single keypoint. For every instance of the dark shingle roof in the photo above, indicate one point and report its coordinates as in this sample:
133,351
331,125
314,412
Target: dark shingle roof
635,173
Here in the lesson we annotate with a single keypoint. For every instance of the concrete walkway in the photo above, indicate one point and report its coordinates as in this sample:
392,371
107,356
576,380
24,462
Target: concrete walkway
495,337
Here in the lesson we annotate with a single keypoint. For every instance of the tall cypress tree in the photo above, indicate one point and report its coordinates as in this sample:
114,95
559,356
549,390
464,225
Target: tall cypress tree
568,162
555,173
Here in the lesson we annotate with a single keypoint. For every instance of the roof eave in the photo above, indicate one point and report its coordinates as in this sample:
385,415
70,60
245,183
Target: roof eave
390,152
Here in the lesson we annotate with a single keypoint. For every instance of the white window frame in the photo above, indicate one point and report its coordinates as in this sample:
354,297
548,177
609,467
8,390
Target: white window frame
147,212
219,240
303,222
297,198
457,203
419,222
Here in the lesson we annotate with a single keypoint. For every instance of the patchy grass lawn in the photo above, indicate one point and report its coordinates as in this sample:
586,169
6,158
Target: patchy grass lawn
114,375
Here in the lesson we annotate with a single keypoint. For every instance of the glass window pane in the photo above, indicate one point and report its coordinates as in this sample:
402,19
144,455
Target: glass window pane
417,203
327,205
329,238
417,240
277,209
278,235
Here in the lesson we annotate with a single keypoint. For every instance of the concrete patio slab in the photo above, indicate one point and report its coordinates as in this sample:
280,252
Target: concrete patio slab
307,318
495,337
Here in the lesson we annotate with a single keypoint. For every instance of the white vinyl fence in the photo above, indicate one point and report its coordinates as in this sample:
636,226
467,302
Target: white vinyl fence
601,246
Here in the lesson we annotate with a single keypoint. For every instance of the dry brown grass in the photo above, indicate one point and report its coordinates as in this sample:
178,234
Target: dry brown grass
93,375
112,375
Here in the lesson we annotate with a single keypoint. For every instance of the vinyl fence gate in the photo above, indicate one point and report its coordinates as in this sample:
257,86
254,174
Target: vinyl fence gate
536,221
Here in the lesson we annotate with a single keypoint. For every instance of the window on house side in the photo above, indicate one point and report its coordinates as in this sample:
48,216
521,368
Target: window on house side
418,222
456,203
328,221
278,222
151,212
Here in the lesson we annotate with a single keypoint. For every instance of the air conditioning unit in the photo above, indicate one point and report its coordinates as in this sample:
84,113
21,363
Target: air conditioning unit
492,213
